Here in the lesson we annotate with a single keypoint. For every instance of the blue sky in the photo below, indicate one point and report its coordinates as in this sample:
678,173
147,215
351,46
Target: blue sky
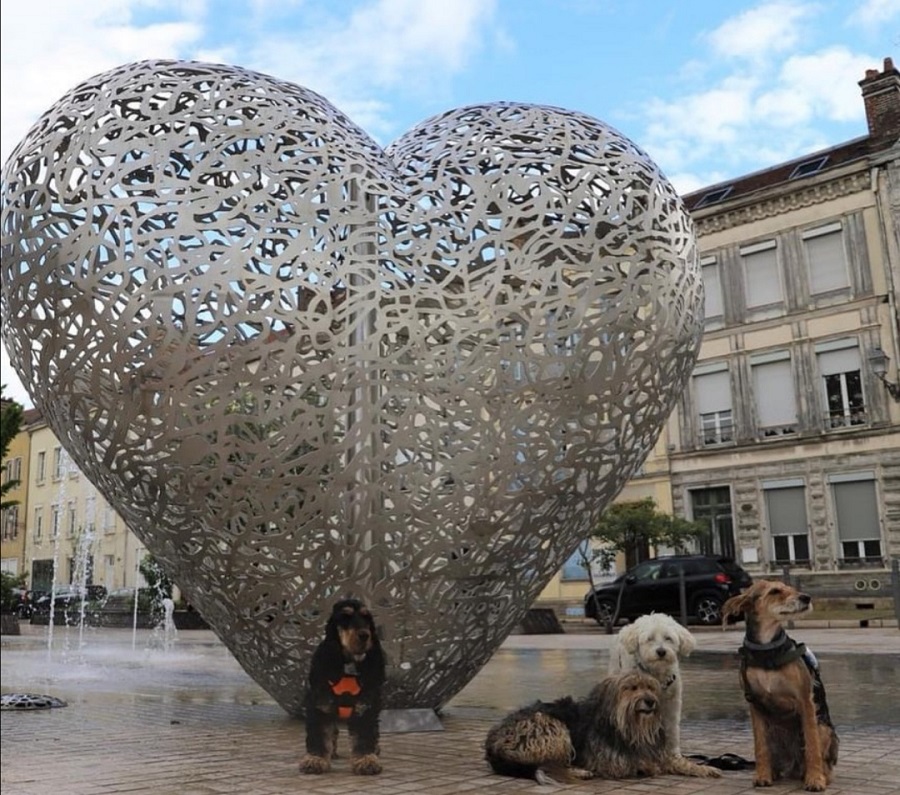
711,89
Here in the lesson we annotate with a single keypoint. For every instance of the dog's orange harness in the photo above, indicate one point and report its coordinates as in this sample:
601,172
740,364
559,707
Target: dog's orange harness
347,690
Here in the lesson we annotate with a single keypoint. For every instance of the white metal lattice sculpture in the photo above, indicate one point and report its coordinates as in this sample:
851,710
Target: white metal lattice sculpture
303,367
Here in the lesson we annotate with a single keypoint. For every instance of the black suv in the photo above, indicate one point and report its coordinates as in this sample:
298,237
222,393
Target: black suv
653,587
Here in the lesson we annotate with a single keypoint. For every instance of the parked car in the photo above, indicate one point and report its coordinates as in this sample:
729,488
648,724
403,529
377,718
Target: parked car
653,587
68,597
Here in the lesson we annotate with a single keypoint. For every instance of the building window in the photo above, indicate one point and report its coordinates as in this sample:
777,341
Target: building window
41,468
574,569
12,471
57,463
842,384
109,519
786,510
11,522
712,507
712,288
38,524
774,396
826,261
70,519
54,521
762,280
856,508
712,395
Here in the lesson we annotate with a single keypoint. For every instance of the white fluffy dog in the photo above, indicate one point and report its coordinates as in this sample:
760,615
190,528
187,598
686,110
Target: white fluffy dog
655,644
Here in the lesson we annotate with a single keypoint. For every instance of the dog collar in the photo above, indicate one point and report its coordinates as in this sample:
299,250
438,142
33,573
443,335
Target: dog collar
777,653
666,683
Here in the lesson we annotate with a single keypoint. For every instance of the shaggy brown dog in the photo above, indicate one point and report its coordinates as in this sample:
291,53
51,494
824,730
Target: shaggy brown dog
616,732
793,736
345,682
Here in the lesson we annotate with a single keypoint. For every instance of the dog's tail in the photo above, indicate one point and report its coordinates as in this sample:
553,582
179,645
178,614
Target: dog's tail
548,773
553,774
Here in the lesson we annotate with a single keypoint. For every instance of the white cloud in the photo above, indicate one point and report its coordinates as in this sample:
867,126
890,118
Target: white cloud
872,15
50,47
758,33
406,45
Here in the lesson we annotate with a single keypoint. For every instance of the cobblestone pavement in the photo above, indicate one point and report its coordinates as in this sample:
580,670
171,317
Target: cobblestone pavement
186,720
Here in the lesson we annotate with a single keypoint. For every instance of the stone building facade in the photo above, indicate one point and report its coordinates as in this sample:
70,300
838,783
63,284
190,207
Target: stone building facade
786,443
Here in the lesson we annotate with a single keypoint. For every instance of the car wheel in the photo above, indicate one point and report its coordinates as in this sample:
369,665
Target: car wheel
604,611
708,610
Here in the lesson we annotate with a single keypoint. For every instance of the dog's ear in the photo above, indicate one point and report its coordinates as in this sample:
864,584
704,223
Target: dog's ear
686,641
629,639
734,608
373,629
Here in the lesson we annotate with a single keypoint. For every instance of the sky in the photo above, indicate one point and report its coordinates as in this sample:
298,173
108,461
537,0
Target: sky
710,89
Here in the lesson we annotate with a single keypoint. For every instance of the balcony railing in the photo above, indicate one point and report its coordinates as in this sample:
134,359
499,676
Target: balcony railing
775,431
850,418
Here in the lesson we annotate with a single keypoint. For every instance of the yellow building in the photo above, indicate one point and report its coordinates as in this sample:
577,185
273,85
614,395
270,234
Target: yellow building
73,535
12,520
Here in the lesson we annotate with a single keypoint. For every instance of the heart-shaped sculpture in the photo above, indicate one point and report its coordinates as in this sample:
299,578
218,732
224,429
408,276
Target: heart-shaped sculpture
303,367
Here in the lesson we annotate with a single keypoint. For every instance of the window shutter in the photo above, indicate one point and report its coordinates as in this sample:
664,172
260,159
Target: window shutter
845,360
827,266
713,290
713,392
773,386
857,512
787,511
761,278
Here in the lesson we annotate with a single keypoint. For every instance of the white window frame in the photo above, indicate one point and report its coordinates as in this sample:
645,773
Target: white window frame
847,414
712,264
835,228
791,483
866,476
788,426
767,278
38,523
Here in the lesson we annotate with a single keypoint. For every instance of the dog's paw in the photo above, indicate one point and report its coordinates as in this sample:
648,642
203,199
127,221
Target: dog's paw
761,781
314,764
367,765
686,767
815,783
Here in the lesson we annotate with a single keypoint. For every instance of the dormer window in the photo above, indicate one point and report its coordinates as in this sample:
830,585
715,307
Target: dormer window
808,167
715,196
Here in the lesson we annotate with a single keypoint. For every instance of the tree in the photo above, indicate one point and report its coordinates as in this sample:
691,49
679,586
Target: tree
10,422
632,528
158,583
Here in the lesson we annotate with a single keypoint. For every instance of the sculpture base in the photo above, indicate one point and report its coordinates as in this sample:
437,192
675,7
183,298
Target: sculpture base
403,721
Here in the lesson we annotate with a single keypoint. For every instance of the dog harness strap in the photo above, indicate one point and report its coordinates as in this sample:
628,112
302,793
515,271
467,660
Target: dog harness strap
771,656
346,690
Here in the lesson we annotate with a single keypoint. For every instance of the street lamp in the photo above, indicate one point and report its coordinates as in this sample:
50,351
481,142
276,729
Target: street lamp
878,361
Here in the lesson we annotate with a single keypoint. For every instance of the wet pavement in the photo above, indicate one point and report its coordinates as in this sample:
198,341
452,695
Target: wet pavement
146,716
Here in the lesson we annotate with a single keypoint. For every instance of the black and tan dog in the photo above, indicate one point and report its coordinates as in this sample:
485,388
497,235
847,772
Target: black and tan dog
345,682
793,736
615,732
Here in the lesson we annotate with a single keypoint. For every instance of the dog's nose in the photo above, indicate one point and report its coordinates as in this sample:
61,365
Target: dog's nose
648,704
660,652
805,598
363,634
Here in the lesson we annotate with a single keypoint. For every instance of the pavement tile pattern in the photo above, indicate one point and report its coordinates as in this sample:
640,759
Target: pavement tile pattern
117,737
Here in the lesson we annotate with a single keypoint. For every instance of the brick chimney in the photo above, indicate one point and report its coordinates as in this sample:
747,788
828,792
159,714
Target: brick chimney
881,96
